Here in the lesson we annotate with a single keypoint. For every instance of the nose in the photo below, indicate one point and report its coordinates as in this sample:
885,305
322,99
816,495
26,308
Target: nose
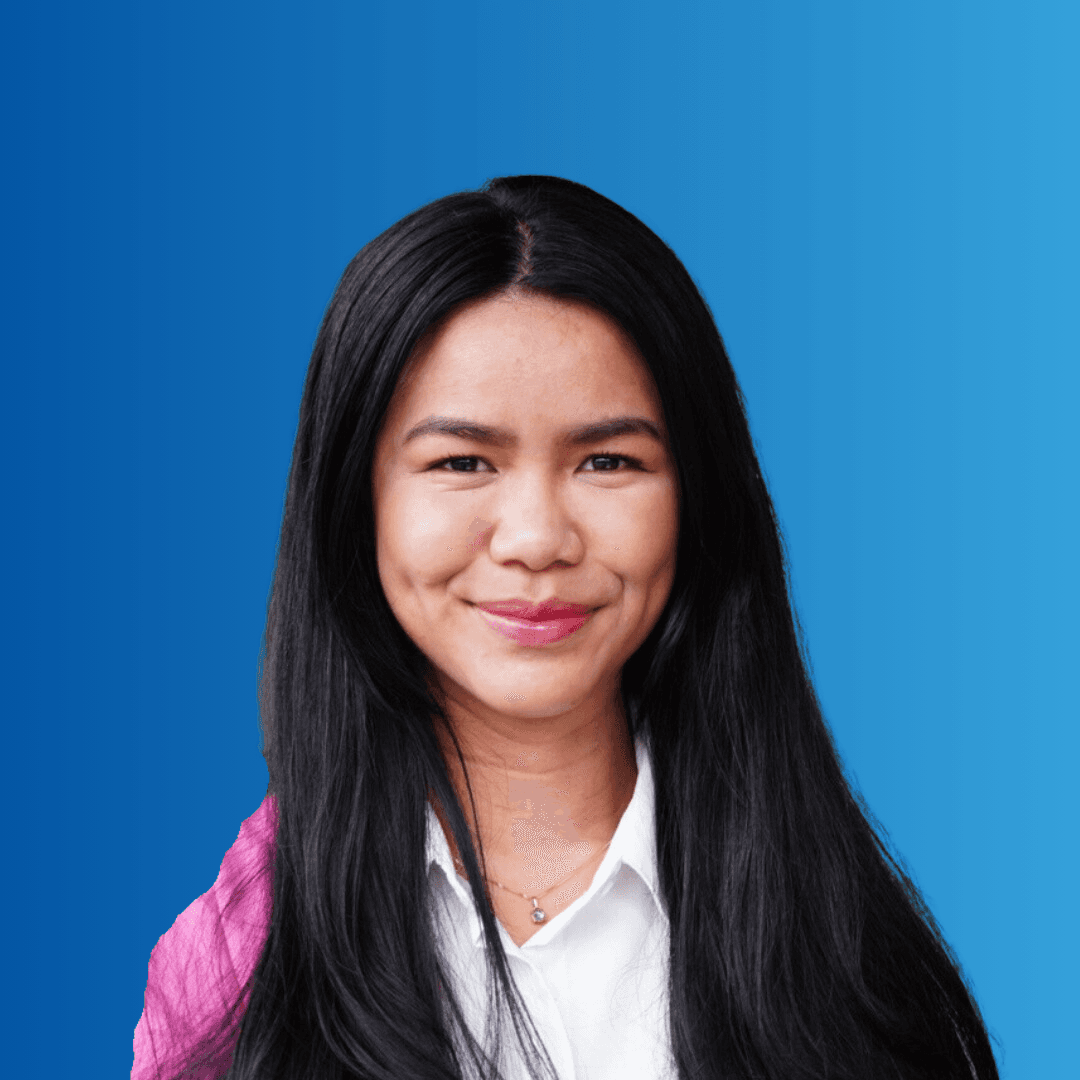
532,526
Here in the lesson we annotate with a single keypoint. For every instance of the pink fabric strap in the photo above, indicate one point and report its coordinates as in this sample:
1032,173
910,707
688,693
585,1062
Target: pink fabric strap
199,967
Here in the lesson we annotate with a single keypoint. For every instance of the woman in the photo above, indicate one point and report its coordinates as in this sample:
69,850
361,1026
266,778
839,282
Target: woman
550,791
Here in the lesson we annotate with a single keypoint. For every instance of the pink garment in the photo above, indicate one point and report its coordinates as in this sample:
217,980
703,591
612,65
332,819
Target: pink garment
199,967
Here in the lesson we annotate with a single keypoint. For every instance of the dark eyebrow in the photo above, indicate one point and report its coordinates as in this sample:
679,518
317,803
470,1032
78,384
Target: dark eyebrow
493,436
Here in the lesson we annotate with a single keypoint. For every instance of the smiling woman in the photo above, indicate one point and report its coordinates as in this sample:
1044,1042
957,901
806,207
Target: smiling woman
543,753
532,617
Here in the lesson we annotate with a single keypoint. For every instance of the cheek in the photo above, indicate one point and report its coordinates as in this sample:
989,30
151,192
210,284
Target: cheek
655,568
420,542
643,541
650,573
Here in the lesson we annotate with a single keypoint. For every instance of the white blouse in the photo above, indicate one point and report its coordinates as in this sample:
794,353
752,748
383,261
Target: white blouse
594,978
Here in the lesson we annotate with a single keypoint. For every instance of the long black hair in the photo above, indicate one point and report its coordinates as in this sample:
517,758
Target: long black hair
799,948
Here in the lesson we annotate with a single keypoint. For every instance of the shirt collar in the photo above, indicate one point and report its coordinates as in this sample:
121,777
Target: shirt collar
633,846
635,838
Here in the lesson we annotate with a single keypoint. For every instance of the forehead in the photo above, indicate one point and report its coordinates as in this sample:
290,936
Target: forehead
521,358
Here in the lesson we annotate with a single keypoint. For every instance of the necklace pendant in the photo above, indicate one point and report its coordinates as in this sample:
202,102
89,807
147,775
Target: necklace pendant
538,913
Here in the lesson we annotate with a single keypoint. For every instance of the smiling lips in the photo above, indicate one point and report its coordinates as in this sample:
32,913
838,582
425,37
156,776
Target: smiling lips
534,624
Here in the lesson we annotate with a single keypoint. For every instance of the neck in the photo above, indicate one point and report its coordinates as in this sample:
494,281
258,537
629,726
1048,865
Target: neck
548,794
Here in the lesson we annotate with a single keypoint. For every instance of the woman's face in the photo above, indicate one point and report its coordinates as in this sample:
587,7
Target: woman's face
490,489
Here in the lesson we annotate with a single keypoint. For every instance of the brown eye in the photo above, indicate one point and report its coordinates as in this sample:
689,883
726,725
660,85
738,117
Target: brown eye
457,464
611,462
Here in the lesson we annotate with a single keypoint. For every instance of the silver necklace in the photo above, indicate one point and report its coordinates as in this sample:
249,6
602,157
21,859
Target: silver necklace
538,914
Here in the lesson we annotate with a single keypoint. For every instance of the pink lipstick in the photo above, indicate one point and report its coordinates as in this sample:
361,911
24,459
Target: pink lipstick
534,624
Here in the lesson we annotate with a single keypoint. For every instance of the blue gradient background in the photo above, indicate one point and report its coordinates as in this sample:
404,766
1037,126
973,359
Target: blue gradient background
879,202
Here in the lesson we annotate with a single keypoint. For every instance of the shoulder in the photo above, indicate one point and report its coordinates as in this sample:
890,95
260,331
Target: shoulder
199,967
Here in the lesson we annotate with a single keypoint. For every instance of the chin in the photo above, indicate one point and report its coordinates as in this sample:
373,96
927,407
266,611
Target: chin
528,706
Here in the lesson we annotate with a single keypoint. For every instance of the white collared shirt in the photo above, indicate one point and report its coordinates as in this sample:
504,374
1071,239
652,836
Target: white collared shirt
594,978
